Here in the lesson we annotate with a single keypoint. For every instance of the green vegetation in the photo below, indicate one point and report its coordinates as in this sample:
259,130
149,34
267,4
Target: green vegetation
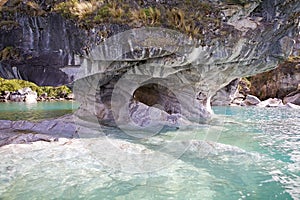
294,58
192,17
198,19
31,8
246,82
16,84
146,16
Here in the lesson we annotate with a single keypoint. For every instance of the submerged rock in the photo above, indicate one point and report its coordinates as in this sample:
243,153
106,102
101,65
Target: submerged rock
60,127
27,139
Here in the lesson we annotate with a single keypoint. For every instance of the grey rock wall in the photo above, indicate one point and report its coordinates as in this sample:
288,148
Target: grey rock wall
45,44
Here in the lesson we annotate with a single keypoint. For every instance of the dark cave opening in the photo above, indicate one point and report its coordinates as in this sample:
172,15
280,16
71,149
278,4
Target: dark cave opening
156,95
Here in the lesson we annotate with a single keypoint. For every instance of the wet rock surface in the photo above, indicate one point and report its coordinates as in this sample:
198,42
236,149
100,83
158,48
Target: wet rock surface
293,97
45,45
226,95
251,101
10,131
278,83
26,139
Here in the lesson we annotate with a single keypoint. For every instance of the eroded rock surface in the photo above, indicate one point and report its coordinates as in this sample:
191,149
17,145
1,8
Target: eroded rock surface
293,97
61,127
253,37
279,82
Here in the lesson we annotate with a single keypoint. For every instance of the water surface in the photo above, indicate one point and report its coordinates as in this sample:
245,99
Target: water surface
244,153
35,111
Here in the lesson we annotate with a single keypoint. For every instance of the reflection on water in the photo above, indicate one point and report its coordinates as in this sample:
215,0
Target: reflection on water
35,111
245,153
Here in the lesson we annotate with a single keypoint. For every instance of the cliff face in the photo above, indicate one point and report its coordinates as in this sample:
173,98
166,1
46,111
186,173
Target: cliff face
211,43
276,83
281,81
44,45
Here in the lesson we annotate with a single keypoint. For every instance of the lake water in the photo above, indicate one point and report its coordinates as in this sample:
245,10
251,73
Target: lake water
35,111
244,153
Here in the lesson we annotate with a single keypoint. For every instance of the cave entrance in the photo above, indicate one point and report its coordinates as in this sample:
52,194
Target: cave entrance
159,96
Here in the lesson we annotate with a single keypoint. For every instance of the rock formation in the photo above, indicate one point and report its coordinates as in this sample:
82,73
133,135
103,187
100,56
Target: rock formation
293,97
141,60
277,83
44,45
183,68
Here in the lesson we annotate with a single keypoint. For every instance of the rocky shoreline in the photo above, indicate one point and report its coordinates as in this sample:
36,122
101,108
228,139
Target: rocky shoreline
71,126
292,100
251,100
16,90
29,96
239,93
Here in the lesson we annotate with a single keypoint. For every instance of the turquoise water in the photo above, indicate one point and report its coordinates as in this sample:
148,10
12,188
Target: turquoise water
35,111
244,153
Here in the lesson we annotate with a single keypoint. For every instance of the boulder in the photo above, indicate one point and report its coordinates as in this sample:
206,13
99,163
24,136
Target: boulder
24,95
70,96
293,98
42,97
237,101
5,95
25,90
250,101
272,102
31,97
16,97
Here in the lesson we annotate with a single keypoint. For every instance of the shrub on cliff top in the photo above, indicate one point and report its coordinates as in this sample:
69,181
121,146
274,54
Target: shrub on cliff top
192,17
